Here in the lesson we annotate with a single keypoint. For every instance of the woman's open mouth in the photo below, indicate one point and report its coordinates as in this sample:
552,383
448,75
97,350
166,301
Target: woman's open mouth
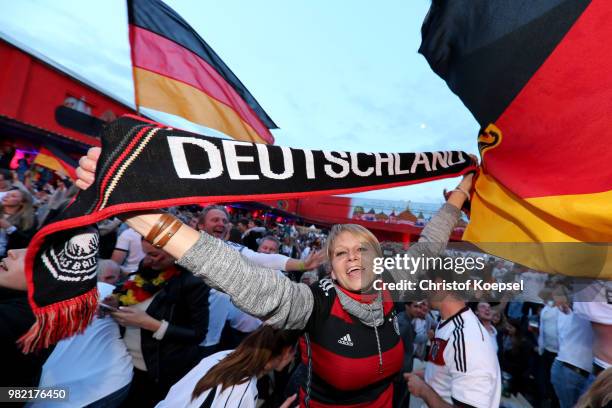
354,272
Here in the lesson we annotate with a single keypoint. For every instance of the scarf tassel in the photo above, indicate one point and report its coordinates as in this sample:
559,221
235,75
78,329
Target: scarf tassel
60,320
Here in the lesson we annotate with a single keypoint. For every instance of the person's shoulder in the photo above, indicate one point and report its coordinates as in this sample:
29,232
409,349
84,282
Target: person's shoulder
468,322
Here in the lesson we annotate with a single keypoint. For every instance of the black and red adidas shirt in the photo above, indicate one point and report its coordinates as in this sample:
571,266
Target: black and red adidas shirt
343,354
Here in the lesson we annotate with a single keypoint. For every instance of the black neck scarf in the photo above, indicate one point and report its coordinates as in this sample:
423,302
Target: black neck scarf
145,165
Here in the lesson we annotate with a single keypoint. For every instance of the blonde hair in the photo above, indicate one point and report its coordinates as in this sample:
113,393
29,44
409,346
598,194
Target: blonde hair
24,218
599,395
354,229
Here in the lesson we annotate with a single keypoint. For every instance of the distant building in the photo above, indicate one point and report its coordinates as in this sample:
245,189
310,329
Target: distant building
358,213
369,216
406,217
382,217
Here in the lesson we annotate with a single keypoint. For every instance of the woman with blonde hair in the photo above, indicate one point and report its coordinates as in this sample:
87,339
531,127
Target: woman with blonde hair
351,346
16,220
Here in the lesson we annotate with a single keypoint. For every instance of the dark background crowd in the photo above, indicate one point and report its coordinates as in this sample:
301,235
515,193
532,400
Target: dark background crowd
544,363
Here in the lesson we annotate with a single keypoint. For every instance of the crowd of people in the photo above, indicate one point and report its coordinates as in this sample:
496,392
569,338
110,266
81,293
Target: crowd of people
232,311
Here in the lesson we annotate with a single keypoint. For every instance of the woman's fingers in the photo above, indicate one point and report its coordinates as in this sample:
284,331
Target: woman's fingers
86,172
85,178
87,164
94,153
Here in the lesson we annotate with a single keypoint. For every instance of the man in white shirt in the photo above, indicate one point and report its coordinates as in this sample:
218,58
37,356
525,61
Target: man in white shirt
462,368
548,345
421,329
269,245
128,251
594,303
214,220
222,311
483,311
571,369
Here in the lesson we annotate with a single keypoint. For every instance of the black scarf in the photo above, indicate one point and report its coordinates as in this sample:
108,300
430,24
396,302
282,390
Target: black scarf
145,165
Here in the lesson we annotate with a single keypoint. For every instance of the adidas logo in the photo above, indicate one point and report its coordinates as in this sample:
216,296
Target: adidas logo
346,340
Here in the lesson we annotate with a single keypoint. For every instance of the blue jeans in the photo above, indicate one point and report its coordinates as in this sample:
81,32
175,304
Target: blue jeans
568,384
113,400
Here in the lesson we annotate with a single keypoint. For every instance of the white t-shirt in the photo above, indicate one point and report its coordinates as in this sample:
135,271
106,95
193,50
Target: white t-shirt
270,261
131,242
91,365
243,395
221,310
549,334
594,302
420,339
462,362
575,341
533,283
493,335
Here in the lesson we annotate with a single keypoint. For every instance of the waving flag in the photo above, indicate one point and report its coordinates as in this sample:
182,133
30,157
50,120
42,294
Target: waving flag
54,159
536,75
176,72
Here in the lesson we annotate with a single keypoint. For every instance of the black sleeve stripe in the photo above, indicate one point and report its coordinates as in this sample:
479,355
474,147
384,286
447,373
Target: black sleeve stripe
459,346
228,397
122,250
458,354
455,350
244,393
460,404
455,345
462,338
463,347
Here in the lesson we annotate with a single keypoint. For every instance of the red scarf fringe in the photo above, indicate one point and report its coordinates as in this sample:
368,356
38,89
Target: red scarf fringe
60,320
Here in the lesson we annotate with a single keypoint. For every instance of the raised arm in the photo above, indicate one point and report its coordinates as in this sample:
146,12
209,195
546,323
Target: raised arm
258,291
282,262
435,235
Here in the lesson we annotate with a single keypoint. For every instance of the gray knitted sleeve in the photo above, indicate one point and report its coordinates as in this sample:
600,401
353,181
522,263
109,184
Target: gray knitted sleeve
436,233
433,240
258,291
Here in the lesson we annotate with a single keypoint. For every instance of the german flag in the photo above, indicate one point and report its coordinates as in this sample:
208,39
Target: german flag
536,76
55,159
175,71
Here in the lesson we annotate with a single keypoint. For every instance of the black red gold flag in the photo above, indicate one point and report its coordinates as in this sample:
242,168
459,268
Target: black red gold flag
54,159
536,76
177,72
